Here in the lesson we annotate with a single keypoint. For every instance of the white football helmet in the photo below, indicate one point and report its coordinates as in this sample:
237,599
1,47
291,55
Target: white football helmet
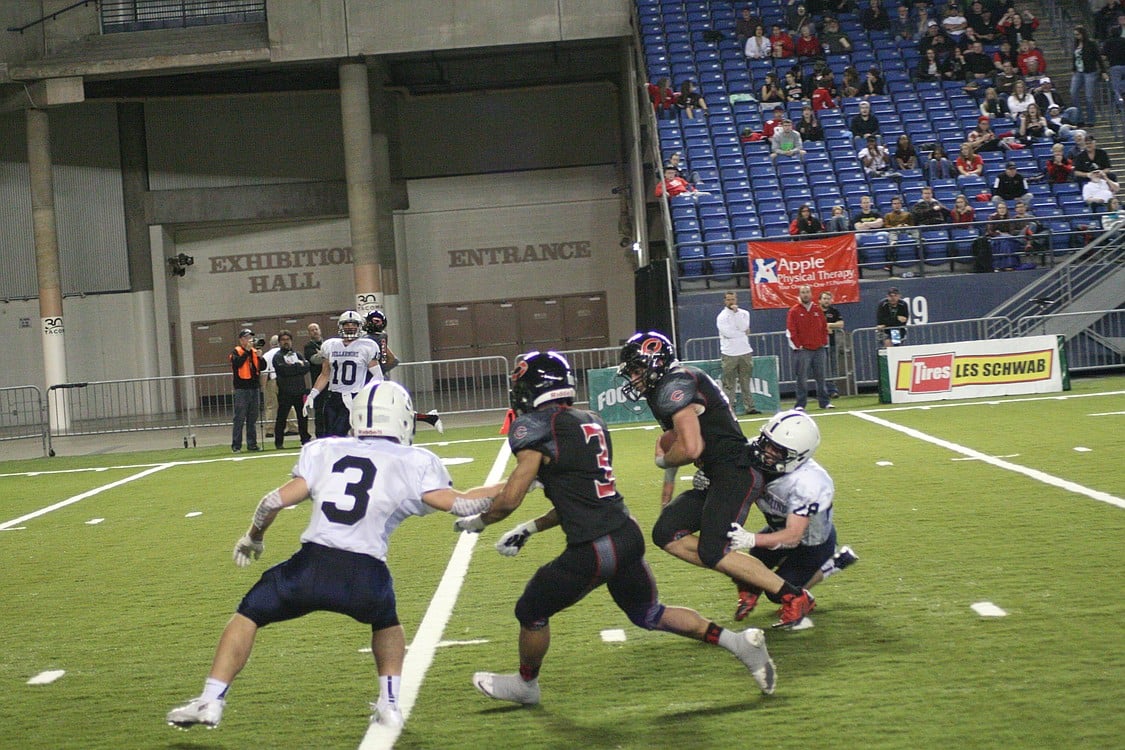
350,324
785,442
383,408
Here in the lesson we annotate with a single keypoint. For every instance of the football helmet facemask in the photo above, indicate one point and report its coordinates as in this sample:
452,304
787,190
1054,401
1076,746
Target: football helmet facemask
540,377
349,325
383,408
785,442
645,360
376,322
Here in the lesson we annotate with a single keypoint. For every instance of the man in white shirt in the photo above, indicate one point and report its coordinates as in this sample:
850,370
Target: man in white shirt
341,566
735,351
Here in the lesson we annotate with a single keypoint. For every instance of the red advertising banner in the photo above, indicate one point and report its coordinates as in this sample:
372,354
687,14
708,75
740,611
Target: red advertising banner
779,269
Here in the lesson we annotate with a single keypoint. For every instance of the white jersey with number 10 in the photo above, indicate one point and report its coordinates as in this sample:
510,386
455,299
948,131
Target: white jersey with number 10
350,362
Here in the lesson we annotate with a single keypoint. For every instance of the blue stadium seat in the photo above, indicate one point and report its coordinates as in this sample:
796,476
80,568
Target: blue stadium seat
935,246
690,259
961,242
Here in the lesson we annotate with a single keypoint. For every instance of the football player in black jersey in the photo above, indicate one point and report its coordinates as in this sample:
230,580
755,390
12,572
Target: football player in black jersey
569,451
696,524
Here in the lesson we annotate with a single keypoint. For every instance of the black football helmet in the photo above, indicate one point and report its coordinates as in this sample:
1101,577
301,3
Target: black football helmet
375,322
540,377
645,360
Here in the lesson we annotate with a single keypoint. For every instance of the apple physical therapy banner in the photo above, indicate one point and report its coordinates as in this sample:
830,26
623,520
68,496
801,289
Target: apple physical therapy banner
779,269
970,369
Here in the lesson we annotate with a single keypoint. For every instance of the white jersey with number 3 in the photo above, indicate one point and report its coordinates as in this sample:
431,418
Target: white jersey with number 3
363,488
349,363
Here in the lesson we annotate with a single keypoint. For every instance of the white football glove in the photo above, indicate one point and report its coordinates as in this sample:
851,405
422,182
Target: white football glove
308,409
472,524
245,549
740,538
511,543
699,481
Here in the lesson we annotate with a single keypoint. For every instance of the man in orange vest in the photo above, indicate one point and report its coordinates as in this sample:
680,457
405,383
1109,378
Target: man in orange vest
246,365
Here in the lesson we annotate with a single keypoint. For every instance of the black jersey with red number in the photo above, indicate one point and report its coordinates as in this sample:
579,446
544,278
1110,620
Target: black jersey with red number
577,476
685,385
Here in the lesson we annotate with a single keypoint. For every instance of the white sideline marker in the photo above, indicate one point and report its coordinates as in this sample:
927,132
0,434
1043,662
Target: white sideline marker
884,463
83,496
46,678
421,652
1080,449
94,521
456,461
615,635
988,609
193,514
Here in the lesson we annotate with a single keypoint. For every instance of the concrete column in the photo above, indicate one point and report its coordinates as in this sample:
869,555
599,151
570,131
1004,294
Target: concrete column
47,259
359,170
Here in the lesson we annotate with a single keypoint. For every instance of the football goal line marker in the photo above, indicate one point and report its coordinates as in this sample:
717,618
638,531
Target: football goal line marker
1039,476
421,652
83,496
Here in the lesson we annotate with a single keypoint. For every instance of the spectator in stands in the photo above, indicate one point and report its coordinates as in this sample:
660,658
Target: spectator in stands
1019,100
872,83
746,25
836,42
937,40
874,17
1002,234
1062,129
849,87
938,166
675,186
875,159
922,22
836,7
806,222
663,98
1014,26
983,138
864,123
1091,159
771,91
929,67
821,77
1034,126
758,46
928,210
1114,52
690,100
953,66
1107,18
838,222
897,218
783,46
969,163
980,21
1005,54
954,22
1046,97
868,217
1098,190
1058,168
794,89
1029,229
786,142
978,65
808,45
773,124
1033,71
902,25
891,317
1029,52
1010,185
905,156
1112,217
809,126
676,162
992,105
1087,64
962,212
1079,146
796,16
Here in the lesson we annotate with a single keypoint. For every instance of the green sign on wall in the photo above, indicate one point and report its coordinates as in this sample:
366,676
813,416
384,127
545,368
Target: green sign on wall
607,399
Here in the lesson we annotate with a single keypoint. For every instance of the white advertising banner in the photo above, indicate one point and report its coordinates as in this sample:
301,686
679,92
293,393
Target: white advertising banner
971,369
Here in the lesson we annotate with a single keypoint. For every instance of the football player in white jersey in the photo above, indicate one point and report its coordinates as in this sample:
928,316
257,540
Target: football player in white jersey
799,539
362,488
350,361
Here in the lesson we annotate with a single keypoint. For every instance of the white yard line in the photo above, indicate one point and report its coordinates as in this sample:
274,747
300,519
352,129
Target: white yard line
426,640
1000,463
83,496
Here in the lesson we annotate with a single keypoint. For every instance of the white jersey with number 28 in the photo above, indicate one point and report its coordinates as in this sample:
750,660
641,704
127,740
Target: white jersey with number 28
363,488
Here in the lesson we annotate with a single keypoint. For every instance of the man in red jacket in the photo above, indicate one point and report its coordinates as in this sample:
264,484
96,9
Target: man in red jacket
808,335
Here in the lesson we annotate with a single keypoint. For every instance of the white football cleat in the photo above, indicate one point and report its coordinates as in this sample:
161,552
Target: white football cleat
751,651
507,687
198,711
386,715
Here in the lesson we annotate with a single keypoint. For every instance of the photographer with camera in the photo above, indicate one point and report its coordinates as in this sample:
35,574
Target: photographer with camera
246,366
